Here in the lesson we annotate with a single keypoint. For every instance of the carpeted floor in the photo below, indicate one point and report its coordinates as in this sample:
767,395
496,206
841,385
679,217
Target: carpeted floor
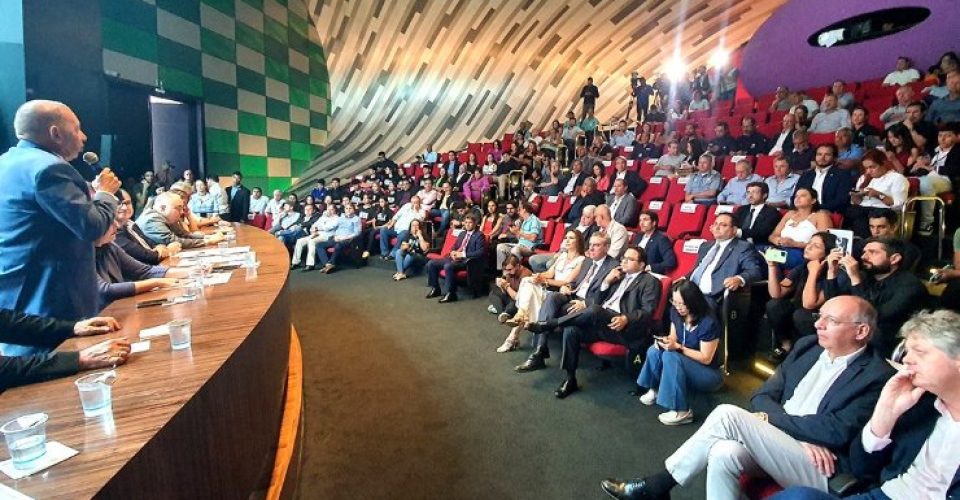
407,398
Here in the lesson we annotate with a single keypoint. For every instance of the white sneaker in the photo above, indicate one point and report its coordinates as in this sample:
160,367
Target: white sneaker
503,317
649,397
491,309
676,417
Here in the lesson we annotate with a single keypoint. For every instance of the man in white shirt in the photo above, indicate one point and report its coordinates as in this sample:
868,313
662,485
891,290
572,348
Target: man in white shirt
428,195
320,232
735,192
275,205
783,143
897,112
903,75
615,230
622,136
399,225
782,184
939,171
831,119
887,189
804,417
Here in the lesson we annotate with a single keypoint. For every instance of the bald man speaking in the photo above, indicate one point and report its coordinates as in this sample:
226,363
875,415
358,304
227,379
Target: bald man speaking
49,219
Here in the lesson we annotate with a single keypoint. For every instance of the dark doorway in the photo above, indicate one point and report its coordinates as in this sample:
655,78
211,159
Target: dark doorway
175,135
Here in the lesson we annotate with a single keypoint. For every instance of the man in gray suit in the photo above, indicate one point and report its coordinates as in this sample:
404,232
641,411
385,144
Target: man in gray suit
574,297
727,263
622,203
161,224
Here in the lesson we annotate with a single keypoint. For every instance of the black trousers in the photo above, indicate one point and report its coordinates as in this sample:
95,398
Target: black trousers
787,321
586,326
448,265
502,302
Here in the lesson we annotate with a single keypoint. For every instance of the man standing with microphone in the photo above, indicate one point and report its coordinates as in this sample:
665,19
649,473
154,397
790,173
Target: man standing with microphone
49,219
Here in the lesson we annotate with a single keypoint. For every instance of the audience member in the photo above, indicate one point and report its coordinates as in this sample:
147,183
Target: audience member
622,204
691,143
670,162
897,112
727,263
735,192
750,141
635,185
202,202
476,187
570,183
936,176
781,184
344,237
722,144
755,218
845,99
589,195
161,224
275,204
503,296
586,227
781,100
399,225
616,231
878,187
376,220
287,224
528,233
238,199
143,191
782,144
831,118
660,258
923,133
321,232
704,184
468,246
904,73
900,149
884,282
801,157
831,184
947,109
685,360
848,153
799,225
803,421
589,94
884,224
863,132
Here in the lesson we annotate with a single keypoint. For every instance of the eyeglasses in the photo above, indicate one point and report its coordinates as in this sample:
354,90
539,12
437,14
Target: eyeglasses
833,321
678,305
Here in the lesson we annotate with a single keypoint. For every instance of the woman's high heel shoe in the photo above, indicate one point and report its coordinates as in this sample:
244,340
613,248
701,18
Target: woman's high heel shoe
518,319
510,344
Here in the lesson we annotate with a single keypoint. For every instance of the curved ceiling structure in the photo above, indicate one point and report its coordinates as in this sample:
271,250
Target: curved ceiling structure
410,73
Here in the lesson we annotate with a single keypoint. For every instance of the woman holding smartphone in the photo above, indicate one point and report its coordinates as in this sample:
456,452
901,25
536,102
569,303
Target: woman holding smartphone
411,252
684,360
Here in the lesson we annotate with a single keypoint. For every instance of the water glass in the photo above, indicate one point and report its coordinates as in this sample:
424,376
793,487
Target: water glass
96,393
180,333
26,438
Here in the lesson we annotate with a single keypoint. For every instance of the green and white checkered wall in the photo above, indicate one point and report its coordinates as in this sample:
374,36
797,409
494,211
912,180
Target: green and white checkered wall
257,66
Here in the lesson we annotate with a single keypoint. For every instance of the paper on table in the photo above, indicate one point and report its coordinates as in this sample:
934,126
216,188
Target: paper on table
156,331
8,493
218,278
143,345
209,252
56,453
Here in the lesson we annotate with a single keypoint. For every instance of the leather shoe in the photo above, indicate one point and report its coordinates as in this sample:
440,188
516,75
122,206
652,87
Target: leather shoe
307,269
542,352
433,293
631,489
450,297
294,266
567,388
541,326
532,363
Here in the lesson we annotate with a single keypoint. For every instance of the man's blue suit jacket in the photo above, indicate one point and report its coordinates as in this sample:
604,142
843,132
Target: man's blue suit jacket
836,188
740,258
48,223
660,254
475,247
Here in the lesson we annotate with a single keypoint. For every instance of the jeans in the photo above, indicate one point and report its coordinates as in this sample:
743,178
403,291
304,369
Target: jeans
290,236
406,261
539,263
385,234
807,493
444,219
674,375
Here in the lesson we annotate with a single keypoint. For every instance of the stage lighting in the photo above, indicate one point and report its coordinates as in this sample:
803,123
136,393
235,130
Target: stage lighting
675,69
720,58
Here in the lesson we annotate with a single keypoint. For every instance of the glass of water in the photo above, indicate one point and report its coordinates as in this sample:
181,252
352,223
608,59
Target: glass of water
180,333
26,438
96,395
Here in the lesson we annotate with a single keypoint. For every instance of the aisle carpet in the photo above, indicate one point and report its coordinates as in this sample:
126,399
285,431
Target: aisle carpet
407,398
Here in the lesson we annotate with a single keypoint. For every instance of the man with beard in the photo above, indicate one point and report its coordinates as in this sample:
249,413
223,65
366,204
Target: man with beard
883,280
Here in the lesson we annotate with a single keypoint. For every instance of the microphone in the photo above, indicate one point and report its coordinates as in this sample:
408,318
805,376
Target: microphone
91,158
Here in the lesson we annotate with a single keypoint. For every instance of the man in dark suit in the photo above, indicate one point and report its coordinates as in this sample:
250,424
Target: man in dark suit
588,195
576,296
635,185
660,258
469,245
49,219
622,203
570,183
751,142
757,220
46,334
622,314
132,239
727,263
804,417
832,184
239,198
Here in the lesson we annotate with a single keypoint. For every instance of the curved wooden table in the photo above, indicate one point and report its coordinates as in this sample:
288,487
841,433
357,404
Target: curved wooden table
197,423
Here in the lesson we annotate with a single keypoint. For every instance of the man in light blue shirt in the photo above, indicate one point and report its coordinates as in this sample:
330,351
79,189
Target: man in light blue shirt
320,232
782,184
848,153
347,231
622,136
735,192
430,156
704,183
529,233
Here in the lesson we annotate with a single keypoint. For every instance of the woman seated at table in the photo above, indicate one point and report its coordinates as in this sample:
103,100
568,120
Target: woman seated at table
119,275
534,288
684,360
411,253
799,225
795,297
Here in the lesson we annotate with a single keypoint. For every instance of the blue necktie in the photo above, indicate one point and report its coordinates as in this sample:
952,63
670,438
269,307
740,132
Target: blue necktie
698,272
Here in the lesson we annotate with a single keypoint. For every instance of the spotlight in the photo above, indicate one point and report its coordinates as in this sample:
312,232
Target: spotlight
675,69
720,58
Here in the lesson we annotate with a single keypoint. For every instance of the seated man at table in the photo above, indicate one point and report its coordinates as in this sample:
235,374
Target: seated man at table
470,244
161,224
908,448
132,240
347,231
46,334
120,275
623,314
804,417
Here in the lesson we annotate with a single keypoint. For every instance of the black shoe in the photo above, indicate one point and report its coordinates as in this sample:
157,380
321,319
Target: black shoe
433,293
533,363
541,326
542,352
307,269
568,387
450,297
631,489
294,266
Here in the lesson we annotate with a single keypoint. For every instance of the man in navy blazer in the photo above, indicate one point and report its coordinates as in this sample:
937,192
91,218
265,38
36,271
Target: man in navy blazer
49,219
661,258
757,220
582,292
470,244
727,263
803,421
832,184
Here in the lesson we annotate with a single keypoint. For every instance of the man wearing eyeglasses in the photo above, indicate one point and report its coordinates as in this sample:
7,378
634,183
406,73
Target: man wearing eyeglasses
160,224
622,315
803,418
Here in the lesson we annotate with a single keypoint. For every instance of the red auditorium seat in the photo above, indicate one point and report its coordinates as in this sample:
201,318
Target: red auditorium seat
505,143
556,239
699,115
687,218
656,190
647,169
764,165
817,93
603,349
552,207
770,130
743,108
836,219
712,216
548,228
821,139
447,245
444,157
758,488
686,251
676,192
723,107
662,209
463,156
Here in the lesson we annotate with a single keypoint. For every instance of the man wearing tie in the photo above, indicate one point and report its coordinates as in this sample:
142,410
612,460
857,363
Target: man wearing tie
756,219
728,263
623,315
583,292
469,245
